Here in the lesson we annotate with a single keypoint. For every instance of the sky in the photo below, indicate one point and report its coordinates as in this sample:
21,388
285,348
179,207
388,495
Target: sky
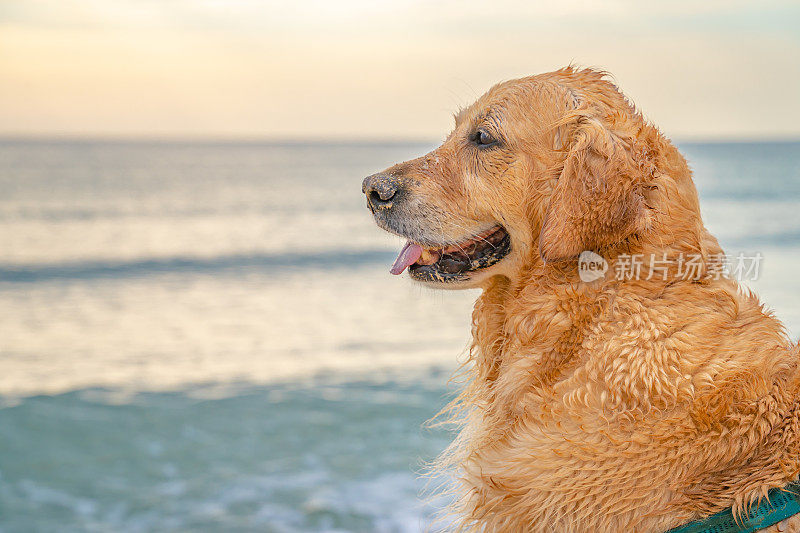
376,69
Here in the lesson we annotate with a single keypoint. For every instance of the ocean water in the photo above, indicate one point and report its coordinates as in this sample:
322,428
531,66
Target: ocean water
205,336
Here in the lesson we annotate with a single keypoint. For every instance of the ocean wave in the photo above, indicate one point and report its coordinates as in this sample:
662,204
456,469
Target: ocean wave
320,456
266,262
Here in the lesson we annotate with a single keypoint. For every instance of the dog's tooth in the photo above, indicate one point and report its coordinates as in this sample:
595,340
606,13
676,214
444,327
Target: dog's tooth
428,257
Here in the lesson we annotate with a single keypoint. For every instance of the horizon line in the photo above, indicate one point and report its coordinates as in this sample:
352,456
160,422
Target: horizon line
294,140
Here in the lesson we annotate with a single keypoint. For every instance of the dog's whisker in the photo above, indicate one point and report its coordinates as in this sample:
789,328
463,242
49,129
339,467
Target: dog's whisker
456,224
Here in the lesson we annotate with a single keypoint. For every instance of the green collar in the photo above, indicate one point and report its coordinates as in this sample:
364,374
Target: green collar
779,505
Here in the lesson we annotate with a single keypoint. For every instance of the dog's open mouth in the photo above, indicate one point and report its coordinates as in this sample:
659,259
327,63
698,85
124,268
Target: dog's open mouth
453,262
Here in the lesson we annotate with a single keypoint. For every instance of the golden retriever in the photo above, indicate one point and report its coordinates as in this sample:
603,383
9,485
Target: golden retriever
623,403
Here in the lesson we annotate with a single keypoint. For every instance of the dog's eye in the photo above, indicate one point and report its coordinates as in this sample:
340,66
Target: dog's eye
483,138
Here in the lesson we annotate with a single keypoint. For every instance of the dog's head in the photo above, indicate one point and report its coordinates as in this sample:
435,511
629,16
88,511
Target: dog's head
536,171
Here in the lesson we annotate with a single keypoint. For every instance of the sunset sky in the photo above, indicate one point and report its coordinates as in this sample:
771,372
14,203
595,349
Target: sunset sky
362,69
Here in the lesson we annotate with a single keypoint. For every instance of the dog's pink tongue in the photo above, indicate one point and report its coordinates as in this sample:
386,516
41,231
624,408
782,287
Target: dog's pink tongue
408,256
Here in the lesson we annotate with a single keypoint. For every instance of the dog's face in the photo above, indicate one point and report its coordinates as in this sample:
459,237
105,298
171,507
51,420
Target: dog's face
525,176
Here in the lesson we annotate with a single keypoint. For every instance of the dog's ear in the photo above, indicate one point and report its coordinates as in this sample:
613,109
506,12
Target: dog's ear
598,199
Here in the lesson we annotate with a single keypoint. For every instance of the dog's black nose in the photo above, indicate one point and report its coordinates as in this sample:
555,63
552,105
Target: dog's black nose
380,190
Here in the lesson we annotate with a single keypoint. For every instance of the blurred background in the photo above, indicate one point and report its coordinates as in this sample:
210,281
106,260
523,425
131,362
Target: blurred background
198,330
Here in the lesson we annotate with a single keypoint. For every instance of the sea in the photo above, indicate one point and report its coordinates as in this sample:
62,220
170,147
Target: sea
204,336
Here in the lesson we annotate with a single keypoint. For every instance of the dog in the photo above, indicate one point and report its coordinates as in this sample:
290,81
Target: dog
621,403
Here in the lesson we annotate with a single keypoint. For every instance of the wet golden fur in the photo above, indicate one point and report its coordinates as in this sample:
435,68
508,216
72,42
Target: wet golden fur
616,405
